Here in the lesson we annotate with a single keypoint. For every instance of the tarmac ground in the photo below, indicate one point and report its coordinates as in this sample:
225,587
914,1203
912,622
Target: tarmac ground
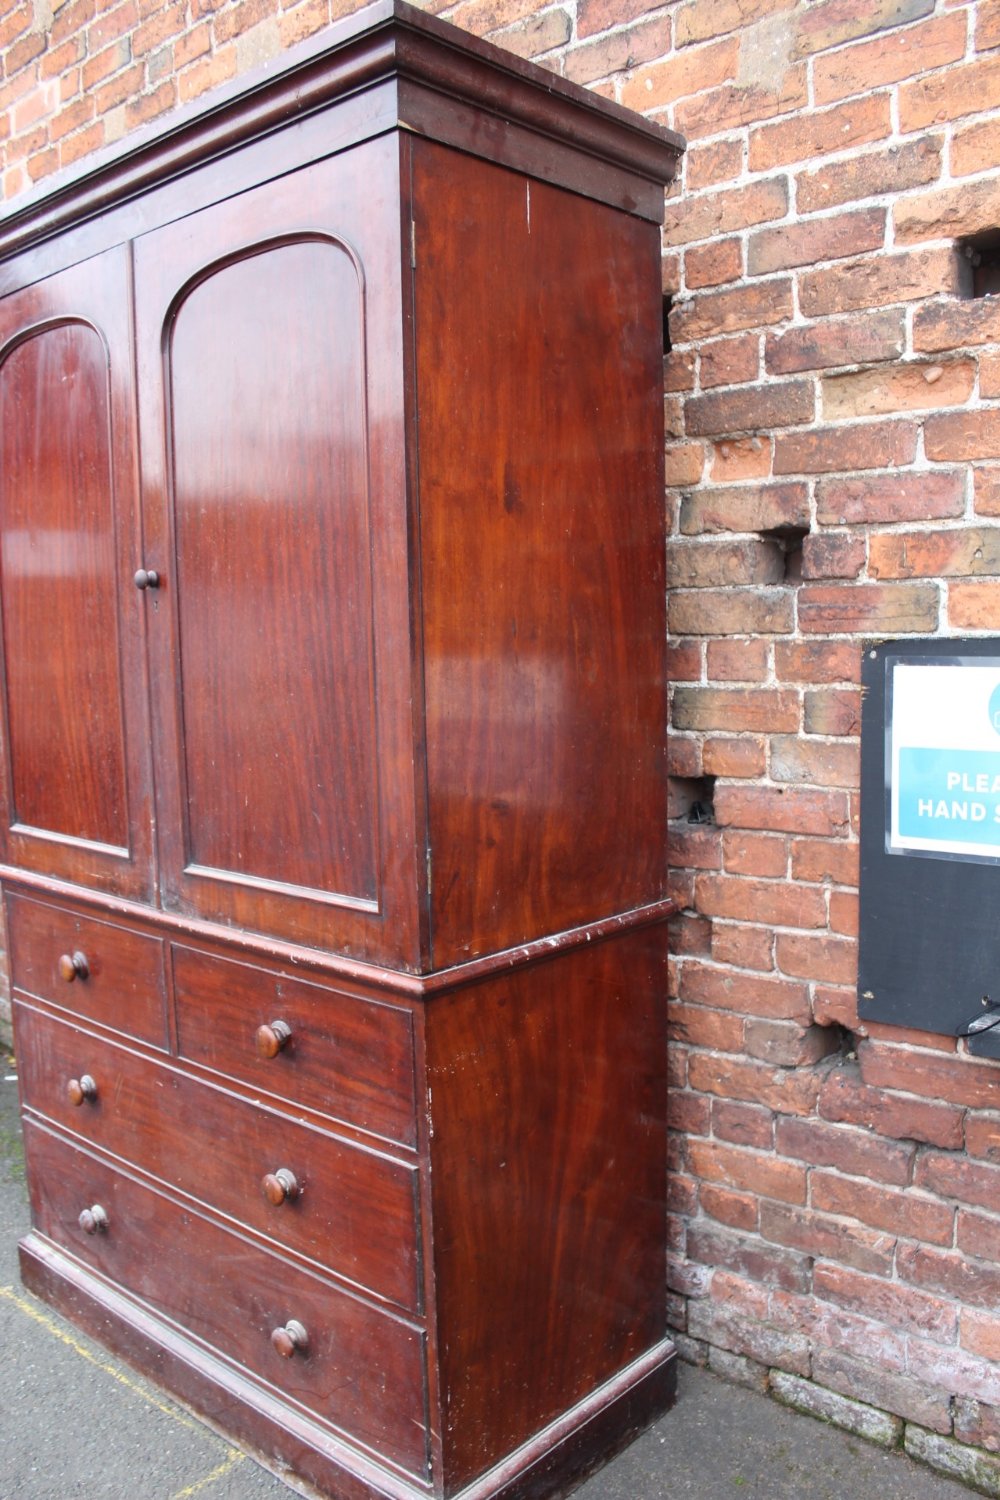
77,1424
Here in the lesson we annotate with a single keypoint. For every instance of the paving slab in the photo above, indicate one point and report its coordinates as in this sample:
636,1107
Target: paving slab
78,1424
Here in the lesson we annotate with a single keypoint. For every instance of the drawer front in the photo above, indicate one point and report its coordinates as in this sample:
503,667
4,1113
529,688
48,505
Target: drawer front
352,1059
362,1371
118,977
349,1209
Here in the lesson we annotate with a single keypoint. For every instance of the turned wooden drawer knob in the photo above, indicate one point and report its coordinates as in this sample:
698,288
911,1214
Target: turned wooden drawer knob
93,1220
280,1186
147,579
73,966
291,1339
271,1039
80,1089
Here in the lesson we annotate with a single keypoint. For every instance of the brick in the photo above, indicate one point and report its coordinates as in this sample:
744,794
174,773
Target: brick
827,1238
743,947
830,1327
774,405
119,87
741,758
736,1210
207,72
832,711
747,1256
684,756
81,144
690,1113
987,490
730,361
840,341
817,661
690,935
833,22
869,174
837,556
764,507
963,1373
816,762
710,265
845,1098
963,435
112,22
593,15
683,661
773,1347
748,1170
989,376
683,463
730,611
987,25
980,1334
737,660
700,1026
974,1283
947,325
880,282
870,445
23,52
978,1234
953,1459
15,23
974,606
975,1421
694,71
820,132
707,166
102,64
70,119
696,847
901,387
825,860
767,709
962,552
762,854
976,148
723,988
958,1080
709,564
784,1089
786,1043
955,1177
844,914
868,608
741,458
884,1208
70,19
618,52
701,19
679,370
822,1144
871,1383
890,59
968,90
534,37
888,1302
840,1411
982,1137
742,1124
830,960
59,60
724,211
730,311
735,105
783,810
947,212
43,164
935,495
832,238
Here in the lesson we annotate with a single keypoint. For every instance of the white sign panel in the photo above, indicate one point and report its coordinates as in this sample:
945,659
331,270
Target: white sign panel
945,758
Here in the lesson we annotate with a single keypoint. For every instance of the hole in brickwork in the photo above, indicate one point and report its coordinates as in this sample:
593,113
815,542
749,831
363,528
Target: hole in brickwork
789,539
668,303
691,799
981,253
847,1042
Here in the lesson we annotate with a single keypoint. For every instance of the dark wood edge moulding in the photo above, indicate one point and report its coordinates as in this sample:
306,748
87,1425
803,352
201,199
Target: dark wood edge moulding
322,962
389,39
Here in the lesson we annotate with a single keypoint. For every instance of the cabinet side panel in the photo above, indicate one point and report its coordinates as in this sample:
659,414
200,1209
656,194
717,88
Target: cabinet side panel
548,1104
539,390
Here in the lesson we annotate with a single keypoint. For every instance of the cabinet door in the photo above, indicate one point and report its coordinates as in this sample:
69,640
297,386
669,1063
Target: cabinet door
74,780
255,322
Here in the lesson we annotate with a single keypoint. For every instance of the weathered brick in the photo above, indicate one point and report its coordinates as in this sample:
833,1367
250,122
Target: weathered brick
737,1210
690,935
833,960
102,64
959,1080
853,1152
899,1306
700,19
683,463
784,1349
963,435
982,1137
694,71
947,212
841,341
754,994
832,22
742,898
818,762
840,1411
764,507
536,35
976,1421
844,913
869,445
955,325
709,564
788,1044
747,1256
832,711
783,404
863,1380
746,853
893,169
881,281
710,265
700,1026
974,606
730,361
878,608
742,1124
830,1327
753,1171
832,556
743,947
948,95
890,58
820,132
730,311
788,1090
824,860
782,810
623,49
734,459
980,1334
827,1238
724,211
817,661
978,1234
719,161
962,552
735,105
737,660
952,1368
81,144
730,611
844,1097
901,387
987,490
976,148
745,757
880,1207
935,495
832,238
956,1177
684,756
207,72
973,1282
987,25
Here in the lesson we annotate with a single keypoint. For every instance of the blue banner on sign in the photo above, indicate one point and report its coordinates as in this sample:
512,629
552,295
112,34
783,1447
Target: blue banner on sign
950,796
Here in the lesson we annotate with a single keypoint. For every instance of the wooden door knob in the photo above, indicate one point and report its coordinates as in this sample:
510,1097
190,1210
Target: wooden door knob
80,1089
147,578
271,1039
280,1186
292,1339
93,1220
73,966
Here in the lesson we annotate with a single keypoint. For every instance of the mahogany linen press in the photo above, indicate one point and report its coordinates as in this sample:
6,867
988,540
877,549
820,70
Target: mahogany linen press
333,801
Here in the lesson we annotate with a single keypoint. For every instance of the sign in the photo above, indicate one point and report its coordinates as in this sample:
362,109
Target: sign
944,763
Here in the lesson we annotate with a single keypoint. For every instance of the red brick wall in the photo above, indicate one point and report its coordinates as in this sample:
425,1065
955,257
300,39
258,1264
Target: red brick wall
833,462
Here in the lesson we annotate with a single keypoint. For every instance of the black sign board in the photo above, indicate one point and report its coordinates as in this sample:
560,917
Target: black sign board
930,838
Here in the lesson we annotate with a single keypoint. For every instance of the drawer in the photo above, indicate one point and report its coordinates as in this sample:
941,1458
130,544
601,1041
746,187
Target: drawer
347,1208
362,1371
118,979
349,1058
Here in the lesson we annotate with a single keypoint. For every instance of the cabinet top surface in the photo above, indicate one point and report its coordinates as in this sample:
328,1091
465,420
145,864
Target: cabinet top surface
386,43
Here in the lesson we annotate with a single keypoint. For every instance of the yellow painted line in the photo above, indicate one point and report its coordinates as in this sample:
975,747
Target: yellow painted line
233,1455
